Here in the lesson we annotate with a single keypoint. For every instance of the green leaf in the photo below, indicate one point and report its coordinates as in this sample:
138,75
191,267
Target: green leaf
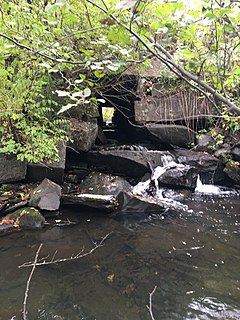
99,74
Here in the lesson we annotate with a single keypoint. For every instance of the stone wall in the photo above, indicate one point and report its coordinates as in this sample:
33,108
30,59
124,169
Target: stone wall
183,105
11,170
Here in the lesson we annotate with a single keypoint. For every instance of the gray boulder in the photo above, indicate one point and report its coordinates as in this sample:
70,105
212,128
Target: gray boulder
204,142
132,203
232,170
236,153
180,176
165,134
83,134
53,170
223,153
128,163
11,169
103,184
46,196
208,166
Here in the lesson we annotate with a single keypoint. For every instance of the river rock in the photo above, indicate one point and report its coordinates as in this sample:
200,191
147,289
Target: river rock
177,135
204,142
103,184
29,218
223,153
46,196
127,162
208,166
132,203
180,176
236,153
83,134
53,170
233,171
11,169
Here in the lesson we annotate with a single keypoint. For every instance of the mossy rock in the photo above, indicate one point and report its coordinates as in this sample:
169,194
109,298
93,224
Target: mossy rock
29,218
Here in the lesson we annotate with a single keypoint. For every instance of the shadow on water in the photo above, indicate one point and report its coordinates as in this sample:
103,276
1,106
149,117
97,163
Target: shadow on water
192,258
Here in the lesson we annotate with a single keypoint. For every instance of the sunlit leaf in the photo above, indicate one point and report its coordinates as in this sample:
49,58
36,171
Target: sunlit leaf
67,107
87,92
62,93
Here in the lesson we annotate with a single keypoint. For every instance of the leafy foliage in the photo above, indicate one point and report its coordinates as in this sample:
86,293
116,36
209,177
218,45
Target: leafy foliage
56,53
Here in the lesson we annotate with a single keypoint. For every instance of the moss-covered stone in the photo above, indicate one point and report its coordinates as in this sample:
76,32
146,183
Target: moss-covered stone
29,218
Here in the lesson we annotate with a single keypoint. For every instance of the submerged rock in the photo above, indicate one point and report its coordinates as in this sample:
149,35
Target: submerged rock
46,196
29,218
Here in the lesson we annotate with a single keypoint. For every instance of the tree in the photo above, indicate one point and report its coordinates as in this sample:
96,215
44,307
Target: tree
56,54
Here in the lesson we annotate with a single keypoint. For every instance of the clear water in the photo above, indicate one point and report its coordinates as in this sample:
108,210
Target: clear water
192,258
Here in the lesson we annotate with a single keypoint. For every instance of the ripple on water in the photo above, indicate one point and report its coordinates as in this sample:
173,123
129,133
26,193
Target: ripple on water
193,259
206,308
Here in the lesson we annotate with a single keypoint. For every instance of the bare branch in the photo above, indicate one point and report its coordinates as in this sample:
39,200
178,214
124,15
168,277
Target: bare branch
52,260
172,64
28,283
70,35
19,44
149,307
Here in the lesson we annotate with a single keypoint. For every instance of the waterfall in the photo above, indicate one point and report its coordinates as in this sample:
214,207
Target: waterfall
206,188
143,186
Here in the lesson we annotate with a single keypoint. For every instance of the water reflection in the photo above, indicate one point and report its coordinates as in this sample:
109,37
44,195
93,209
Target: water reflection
211,308
189,255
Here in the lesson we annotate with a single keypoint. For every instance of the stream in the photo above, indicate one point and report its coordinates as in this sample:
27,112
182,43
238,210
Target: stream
192,257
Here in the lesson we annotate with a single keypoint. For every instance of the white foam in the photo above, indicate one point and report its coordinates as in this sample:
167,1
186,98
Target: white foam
206,188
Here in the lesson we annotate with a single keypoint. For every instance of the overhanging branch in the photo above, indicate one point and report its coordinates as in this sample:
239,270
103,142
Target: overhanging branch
38,52
172,64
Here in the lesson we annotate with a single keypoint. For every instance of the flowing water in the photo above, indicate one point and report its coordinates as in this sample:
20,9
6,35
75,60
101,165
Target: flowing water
193,259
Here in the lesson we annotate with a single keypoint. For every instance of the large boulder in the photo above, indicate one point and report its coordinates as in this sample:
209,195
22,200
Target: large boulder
11,169
98,191
104,184
205,141
83,134
208,166
132,203
180,176
127,162
53,170
46,196
159,107
166,134
236,153
232,170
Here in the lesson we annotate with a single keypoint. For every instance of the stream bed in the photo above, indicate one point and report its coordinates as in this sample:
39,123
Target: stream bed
192,258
